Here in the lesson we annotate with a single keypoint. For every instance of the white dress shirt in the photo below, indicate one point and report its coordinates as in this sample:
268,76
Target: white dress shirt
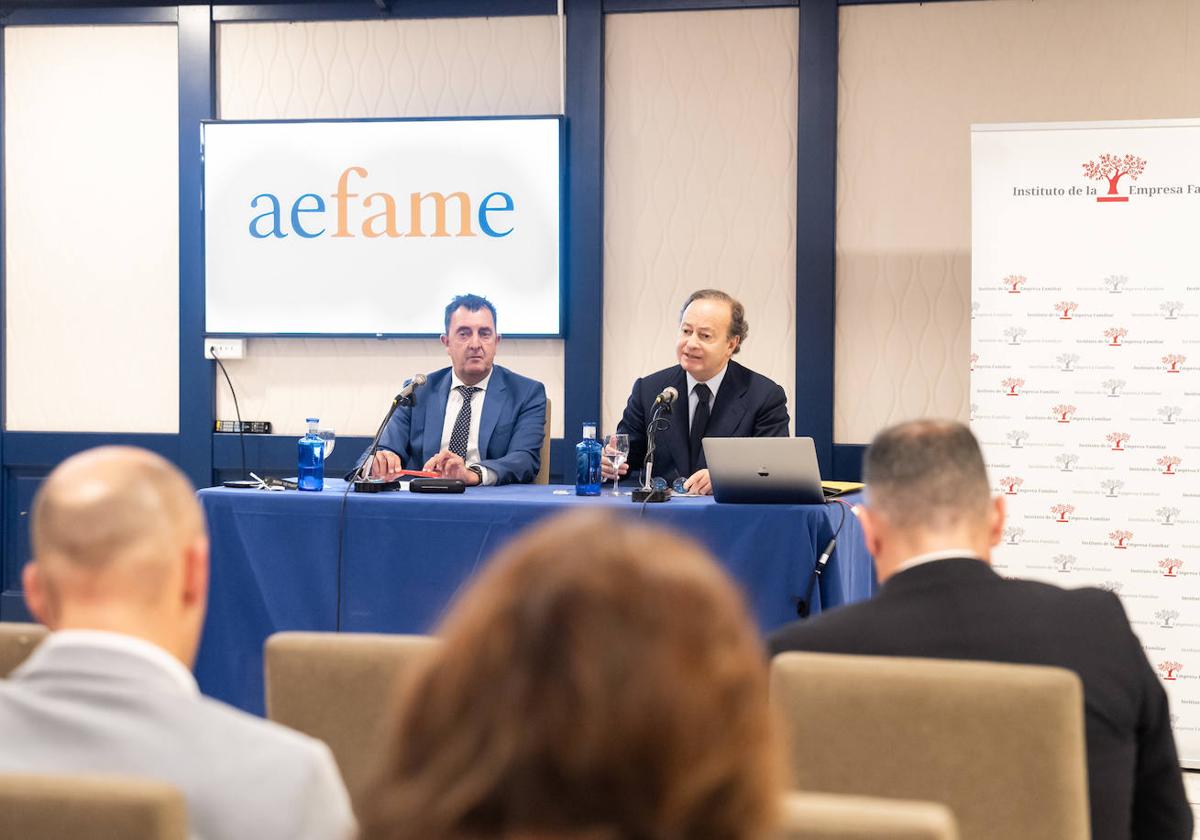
948,554
453,406
128,645
713,384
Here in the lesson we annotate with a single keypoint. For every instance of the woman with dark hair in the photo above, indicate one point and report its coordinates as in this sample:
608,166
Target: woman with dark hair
600,679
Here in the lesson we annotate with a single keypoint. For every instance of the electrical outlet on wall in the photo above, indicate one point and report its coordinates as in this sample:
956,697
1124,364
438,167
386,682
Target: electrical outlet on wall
226,348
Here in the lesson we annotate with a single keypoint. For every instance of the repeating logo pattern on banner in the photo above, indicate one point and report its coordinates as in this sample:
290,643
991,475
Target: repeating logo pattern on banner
1085,371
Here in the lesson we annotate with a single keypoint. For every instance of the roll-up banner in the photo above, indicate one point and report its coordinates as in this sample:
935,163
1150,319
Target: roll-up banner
369,227
1085,370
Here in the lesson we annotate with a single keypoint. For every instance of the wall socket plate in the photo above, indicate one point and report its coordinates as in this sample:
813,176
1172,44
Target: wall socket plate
227,348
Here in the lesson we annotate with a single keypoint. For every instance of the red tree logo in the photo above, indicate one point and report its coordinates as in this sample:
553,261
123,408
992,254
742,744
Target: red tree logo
974,359
1117,439
1064,308
1170,566
1173,361
1120,538
1169,669
1063,511
1169,463
1012,384
1114,335
1014,283
1064,412
1010,483
1112,168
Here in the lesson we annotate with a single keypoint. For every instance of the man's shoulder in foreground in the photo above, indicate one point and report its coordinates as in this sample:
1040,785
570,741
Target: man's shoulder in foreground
241,775
910,607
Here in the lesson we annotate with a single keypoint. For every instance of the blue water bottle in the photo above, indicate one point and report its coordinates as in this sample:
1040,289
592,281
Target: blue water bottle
587,462
311,467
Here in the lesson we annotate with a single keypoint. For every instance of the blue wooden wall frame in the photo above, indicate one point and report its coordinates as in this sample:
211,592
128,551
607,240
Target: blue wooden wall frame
25,457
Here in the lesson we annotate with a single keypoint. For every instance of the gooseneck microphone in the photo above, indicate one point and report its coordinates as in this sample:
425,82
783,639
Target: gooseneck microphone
360,477
405,397
662,405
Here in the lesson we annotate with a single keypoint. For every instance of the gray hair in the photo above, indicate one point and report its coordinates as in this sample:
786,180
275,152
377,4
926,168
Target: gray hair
928,474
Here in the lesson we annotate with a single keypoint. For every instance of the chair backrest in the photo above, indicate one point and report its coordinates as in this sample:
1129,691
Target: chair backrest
830,816
543,476
34,807
1002,745
17,641
340,688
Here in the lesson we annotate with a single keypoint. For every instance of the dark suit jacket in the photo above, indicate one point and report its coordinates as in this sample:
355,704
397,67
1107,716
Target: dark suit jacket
747,405
510,431
962,609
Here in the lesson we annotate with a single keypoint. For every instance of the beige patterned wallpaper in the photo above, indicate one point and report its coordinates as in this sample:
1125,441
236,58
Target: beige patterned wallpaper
912,80
699,184
91,163
393,68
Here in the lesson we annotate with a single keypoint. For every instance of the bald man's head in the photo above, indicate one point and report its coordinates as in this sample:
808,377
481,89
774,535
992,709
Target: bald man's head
111,523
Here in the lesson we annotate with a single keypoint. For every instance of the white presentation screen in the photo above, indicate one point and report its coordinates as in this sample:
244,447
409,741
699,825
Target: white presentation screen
371,227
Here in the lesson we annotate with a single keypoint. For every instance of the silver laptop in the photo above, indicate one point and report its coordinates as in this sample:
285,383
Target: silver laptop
765,470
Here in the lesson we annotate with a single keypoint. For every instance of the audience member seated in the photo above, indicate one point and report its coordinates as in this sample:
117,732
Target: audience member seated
600,679
120,575
931,522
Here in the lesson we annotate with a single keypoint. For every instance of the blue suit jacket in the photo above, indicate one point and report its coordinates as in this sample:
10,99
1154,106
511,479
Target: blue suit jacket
510,431
748,405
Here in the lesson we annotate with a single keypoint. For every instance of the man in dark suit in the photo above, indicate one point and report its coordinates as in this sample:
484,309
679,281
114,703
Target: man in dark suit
717,396
931,522
475,421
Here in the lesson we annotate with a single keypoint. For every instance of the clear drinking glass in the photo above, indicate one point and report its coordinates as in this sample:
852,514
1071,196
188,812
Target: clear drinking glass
616,448
330,439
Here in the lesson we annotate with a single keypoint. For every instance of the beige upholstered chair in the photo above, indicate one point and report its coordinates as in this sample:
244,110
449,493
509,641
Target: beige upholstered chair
339,687
543,476
829,816
56,807
1001,745
17,641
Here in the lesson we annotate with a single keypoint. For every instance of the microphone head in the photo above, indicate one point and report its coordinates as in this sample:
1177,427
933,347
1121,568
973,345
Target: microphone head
669,395
418,380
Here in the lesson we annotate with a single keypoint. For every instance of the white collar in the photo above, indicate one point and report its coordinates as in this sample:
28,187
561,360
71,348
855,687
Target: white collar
713,383
482,384
129,645
947,554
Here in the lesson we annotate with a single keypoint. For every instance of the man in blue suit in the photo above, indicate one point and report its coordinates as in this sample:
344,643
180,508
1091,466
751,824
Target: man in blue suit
717,396
475,421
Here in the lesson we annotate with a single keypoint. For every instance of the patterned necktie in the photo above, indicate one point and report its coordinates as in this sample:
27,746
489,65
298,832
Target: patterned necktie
699,426
462,424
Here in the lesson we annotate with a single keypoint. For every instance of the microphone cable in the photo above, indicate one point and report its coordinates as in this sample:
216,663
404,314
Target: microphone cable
804,605
212,351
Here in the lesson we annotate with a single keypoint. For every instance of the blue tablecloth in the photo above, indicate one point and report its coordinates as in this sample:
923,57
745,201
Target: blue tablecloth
275,561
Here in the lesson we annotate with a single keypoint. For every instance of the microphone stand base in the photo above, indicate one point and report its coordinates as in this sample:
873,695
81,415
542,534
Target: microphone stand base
642,495
375,485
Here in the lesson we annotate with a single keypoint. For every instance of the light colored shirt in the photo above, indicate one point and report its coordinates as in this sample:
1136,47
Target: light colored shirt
948,554
453,406
713,384
129,645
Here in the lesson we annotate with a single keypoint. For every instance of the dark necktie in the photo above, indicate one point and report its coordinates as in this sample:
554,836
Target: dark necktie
698,427
461,433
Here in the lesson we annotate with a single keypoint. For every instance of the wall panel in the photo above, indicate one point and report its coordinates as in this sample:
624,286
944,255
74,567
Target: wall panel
387,68
92,228
699,184
912,79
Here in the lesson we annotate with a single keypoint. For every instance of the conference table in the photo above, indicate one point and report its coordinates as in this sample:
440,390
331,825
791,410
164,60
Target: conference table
393,562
